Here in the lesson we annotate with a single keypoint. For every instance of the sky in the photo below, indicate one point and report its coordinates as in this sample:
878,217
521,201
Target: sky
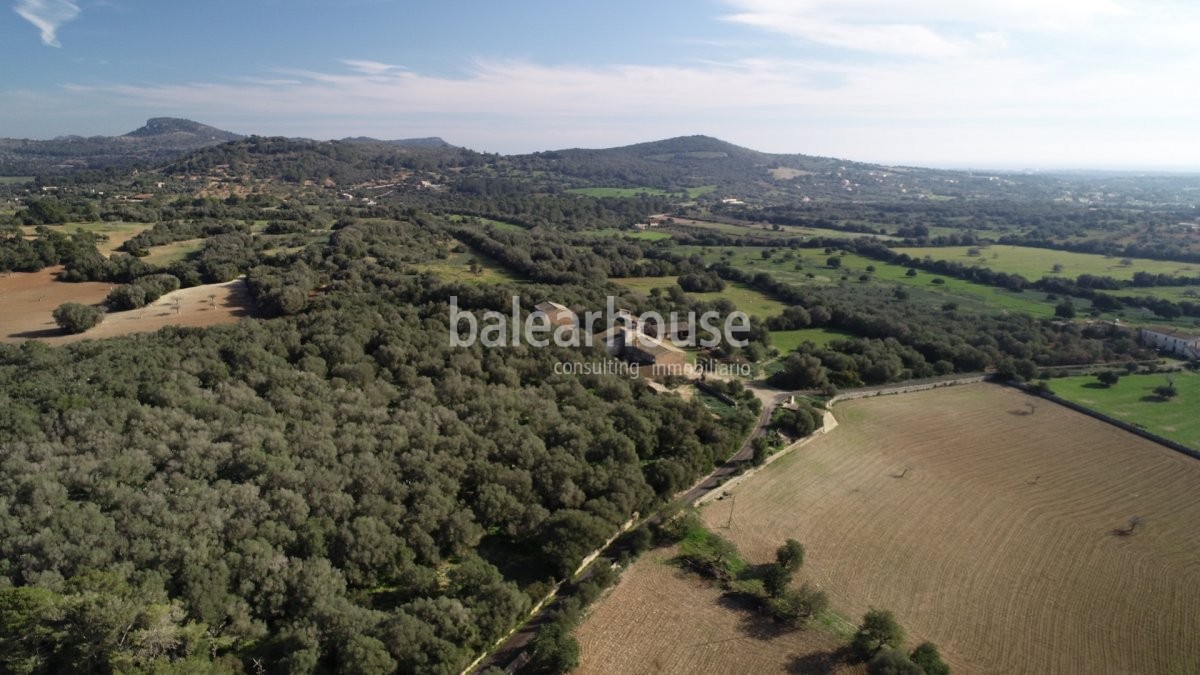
951,83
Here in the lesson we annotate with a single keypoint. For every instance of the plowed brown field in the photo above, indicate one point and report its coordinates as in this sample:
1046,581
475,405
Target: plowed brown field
999,543
660,620
27,300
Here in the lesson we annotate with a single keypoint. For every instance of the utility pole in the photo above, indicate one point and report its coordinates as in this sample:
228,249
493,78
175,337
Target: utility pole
732,503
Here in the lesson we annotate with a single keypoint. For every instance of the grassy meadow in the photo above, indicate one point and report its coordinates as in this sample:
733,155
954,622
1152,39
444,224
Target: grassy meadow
1035,263
1132,400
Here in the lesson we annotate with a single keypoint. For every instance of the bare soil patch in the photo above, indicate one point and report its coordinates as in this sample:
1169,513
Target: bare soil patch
27,300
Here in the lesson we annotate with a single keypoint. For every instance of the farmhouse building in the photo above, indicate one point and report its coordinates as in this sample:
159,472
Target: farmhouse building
556,314
631,344
1172,341
662,356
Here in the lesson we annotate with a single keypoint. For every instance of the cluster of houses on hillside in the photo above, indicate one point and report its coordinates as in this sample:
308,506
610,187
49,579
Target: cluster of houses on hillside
1181,343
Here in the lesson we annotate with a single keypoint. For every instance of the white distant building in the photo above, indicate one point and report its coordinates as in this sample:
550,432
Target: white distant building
1172,341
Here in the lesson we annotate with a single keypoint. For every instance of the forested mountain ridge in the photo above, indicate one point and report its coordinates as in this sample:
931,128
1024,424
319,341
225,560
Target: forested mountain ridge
686,165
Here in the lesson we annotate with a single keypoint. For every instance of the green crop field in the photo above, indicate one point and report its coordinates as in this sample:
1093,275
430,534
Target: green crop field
1035,263
787,341
14,180
1132,400
744,298
169,253
639,191
769,231
456,266
648,235
1173,293
498,224
782,266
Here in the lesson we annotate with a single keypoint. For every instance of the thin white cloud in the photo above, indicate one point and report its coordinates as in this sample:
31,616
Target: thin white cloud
371,67
980,109
1023,82
47,16
917,28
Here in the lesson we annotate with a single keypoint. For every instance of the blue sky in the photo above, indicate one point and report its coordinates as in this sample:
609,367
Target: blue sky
985,83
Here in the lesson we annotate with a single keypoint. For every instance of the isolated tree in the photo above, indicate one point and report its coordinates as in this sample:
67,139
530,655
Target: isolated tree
1065,310
1166,391
1108,378
790,555
1057,268
912,272
927,657
762,450
794,607
834,262
878,629
76,318
776,580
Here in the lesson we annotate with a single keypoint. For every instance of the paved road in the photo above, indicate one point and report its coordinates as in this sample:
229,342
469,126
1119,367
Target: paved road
744,454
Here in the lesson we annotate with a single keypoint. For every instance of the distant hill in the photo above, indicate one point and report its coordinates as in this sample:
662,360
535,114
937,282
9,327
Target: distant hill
159,127
295,160
427,142
731,171
161,140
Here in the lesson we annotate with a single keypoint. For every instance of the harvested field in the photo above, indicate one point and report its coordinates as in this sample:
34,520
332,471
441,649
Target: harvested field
661,620
1002,542
28,298
198,306
26,301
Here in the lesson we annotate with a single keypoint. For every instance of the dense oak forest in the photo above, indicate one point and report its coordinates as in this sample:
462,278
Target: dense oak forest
322,490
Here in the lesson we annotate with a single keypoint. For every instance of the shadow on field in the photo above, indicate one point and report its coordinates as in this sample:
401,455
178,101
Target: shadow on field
36,334
820,662
751,621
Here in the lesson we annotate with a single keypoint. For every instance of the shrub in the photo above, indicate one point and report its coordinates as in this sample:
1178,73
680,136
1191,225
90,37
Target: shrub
927,657
795,607
76,318
878,629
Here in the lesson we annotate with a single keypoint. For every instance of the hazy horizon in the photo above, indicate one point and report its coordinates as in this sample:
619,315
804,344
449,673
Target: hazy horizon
1019,85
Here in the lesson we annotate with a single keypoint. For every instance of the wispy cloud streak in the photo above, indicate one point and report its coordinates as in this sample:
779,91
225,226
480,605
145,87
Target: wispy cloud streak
47,16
